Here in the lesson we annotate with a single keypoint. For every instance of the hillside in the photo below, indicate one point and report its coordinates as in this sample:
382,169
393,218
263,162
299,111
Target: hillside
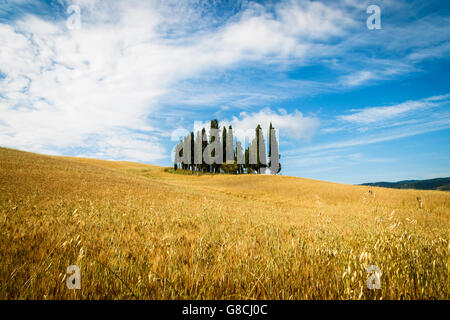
429,184
138,232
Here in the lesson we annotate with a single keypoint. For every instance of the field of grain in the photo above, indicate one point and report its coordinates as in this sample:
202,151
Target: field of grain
137,232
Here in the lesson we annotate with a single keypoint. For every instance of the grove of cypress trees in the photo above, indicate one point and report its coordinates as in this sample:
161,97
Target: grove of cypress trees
191,151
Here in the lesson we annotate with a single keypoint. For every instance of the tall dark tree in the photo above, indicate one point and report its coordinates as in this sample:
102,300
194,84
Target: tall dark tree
270,140
192,151
224,145
231,155
251,157
205,167
178,154
198,152
214,125
247,160
274,156
239,157
186,153
260,149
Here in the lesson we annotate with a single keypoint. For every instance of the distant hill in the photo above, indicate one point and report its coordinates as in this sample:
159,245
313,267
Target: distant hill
442,184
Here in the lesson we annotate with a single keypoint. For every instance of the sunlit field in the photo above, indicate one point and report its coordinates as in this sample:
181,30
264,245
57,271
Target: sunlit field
138,232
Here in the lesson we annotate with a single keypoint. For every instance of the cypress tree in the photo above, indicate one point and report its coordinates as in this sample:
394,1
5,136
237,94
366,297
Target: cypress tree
204,145
270,140
185,152
192,151
214,125
230,151
246,160
178,153
198,152
239,157
260,150
274,156
224,145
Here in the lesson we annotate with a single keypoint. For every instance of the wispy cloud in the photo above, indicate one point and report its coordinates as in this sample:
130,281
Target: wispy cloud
358,78
379,137
377,114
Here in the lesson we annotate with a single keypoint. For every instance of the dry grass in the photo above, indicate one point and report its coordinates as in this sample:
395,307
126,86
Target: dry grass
139,232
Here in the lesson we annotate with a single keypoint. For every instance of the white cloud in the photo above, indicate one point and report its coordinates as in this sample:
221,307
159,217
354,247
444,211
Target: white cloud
377,114
380,124
403,132
358,78
84,88
314,20
293,125
90,88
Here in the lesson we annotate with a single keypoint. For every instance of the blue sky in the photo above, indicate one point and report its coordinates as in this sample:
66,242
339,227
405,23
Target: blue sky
352,105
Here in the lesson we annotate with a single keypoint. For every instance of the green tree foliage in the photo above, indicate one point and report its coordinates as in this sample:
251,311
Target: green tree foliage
190,151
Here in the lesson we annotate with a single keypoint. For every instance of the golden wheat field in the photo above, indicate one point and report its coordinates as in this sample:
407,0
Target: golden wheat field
138,232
